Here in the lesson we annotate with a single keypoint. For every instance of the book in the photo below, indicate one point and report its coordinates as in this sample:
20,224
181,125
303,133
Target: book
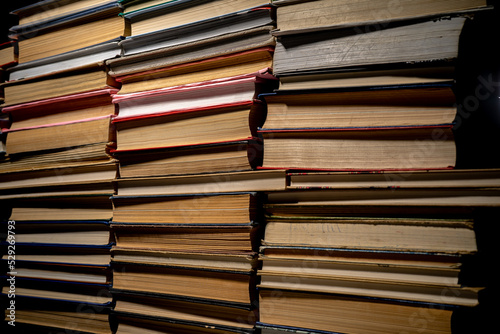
198,239
64,208
133,5
53,136
48,10
231,209
77,233
184,311
86,155
55,86
229,123
250,181
410,200
209,95
164,57
97,188
394,266
456,178
88,27
183,282
331,313
46,316
225,32
176,13
64,131
132,324
228,156
61,110
64,255
45,181
383,106
226,67
53,291
8,54
191,259
370,76
394,43
396,234
410,148
72,274
306,16
50,321
426,293
67,61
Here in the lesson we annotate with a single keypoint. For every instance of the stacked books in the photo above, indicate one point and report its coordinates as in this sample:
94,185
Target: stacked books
396,127
185,217
377,229
334,77
58,172
200,78
186,260
58,263
49,28
192,166
376,252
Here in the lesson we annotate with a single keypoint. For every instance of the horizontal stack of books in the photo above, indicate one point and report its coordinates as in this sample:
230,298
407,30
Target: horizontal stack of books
363,92
377,252
192,166
58,172
186,213
377,230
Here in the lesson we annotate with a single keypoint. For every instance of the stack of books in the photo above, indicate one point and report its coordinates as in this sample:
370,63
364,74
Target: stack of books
377,231
58,263
186,261
377,252
56,180
192,166
188,98
8,57
363,92
185,215
49,28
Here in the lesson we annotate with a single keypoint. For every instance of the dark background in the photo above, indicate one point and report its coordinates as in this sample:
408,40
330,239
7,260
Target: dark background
7,20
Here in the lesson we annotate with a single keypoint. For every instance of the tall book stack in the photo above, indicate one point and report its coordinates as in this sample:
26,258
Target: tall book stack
364,92
370,100
195,166
378,252
186,218
57,178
